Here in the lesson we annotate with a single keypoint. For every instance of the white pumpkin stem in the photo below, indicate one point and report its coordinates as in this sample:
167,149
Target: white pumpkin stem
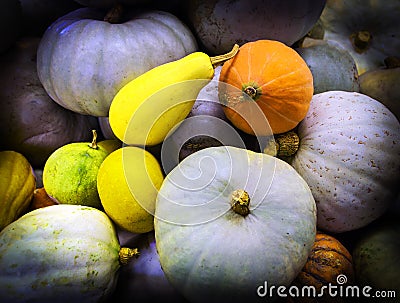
216,60
287,144
126,254
240,201
93,144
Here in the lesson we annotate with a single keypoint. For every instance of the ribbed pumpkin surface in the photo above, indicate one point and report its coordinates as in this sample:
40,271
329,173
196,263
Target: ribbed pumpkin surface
278,78
17,184
328,260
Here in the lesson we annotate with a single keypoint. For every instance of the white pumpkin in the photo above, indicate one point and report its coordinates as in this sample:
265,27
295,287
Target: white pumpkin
213,245
83,61
349,155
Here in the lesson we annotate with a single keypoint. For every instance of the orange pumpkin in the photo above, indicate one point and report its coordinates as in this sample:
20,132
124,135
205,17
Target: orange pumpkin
328,263
276,77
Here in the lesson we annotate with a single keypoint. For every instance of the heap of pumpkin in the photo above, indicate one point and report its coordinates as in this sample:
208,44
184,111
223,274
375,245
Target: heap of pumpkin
219,167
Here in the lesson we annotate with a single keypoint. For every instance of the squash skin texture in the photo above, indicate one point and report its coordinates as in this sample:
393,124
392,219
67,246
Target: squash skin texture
59,253
146,109
283,81
83,61
30,121
220,23
376,255
342,19
332,67
70,173
17,184
349,155
382,85
127,183
210,253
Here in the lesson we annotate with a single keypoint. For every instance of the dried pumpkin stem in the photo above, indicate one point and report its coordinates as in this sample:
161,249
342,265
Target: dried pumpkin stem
216,60
240,201
287,144
126,254
93,144
361,40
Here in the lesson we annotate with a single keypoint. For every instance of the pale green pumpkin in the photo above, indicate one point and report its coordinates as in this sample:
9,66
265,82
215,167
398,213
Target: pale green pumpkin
213,250
59,253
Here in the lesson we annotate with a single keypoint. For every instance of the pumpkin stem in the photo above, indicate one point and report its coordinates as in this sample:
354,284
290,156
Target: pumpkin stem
114,15
287,144
126,254
361,40
93,144
216,60
240,201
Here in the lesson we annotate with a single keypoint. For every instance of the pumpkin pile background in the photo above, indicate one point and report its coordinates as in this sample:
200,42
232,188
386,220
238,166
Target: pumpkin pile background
52,96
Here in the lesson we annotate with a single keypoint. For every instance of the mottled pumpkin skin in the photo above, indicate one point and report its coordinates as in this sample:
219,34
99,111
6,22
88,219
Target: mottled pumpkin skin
30,121
212,254
283,81
218,24
72,256
376,256
83,61
349,155
17,184
332,67
383,85
328,260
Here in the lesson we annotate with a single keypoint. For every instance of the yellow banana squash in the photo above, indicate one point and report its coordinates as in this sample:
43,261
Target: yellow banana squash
147,108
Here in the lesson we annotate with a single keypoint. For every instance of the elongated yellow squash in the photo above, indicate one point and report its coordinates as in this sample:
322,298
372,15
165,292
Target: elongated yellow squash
147,108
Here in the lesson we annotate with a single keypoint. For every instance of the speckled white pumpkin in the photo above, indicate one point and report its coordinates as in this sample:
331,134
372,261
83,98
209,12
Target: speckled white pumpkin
349,155
59,253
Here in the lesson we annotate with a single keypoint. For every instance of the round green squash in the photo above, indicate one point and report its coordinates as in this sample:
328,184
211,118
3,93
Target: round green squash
228,219
83,61
332,67
70,173
219,24
17,184
369,30
60,253
30,121
376,256
349,155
